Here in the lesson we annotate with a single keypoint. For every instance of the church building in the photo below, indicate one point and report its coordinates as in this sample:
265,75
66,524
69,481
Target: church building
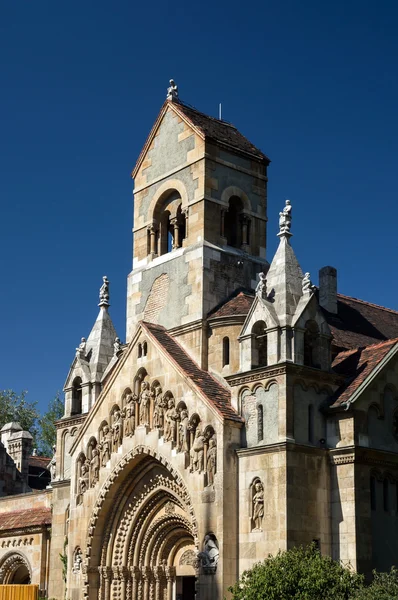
247,411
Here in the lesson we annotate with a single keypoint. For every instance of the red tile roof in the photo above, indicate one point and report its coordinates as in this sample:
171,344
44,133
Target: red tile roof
39,461
25,518
220,131
239,304
217,395
357,364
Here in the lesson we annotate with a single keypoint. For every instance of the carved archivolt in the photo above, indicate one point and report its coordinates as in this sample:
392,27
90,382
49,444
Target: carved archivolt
10,563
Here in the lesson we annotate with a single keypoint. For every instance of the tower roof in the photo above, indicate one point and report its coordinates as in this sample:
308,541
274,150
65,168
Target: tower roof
100,344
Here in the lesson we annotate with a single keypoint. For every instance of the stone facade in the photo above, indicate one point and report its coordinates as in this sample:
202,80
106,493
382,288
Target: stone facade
232,423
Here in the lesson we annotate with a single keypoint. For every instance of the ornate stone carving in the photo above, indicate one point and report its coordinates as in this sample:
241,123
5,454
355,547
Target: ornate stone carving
159,406
128,414
172,91
104,292
209,556
53,465
189,557
170,424
83,480
285,218
197,451
117,346
94,467
183,440
81,349
170,508
307,286
211,462
261,288
257,505
77,561
105,445
117,430
144,401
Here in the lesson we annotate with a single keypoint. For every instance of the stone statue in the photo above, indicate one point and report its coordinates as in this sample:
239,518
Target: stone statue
285,218
117,431
77,563
170,421
172,91
159,406
83,479
144,402
104,292
129,416
307,286
258,506
211,463
81,350
183,445
94,467
105,445
117,346
261,288
53,465
210,555
197,451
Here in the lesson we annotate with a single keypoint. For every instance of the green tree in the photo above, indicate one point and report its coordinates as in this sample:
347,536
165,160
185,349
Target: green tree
15,407
298,574
383,587
47,431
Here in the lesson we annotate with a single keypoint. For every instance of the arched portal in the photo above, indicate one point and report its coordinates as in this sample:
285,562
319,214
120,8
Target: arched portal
141,533
15,569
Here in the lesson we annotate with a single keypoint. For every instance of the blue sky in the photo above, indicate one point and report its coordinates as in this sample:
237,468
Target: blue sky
313,84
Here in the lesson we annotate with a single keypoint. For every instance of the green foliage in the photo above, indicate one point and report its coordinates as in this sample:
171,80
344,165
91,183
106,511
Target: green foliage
383,587
64,559
297,574
15,407
48,434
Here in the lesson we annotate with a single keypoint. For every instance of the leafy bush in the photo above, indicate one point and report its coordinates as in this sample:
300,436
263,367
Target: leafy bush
383,587
298,574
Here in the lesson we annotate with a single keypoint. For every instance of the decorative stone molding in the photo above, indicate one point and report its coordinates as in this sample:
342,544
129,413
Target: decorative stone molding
17,542
10,563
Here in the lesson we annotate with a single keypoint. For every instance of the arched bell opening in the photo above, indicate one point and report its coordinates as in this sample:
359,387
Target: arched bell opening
140,529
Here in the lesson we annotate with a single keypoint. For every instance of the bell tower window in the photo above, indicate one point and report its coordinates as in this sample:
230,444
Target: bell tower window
311,345
76,396
172,229
225,352
259,345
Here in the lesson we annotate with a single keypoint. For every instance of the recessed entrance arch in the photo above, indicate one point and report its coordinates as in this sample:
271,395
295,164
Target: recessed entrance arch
142,527
15,569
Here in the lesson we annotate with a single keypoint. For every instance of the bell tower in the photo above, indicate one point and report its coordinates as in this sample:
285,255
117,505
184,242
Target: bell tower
200,213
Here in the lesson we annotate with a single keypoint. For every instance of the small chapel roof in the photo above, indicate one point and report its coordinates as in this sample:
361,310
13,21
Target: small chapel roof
217,395
29,517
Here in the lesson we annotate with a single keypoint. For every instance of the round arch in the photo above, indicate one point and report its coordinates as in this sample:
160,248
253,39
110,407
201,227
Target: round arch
232,190
167,187
15,569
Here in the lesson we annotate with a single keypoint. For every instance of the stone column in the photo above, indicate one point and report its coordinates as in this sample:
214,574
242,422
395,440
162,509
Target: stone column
146,573
170,575
152,229
135,575
185,212
124,577
222,225
158,574
176,241
245,227
105,582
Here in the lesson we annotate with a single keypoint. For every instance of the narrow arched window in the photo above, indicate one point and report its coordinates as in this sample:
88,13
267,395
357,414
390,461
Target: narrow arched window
373,493
311,345
232,222
259,345
260,423
144,349
225,352
311,424
386,499
139,350
76,396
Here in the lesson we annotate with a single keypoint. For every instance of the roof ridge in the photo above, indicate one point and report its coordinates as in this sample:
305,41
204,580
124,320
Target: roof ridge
353,350
190,107
390,310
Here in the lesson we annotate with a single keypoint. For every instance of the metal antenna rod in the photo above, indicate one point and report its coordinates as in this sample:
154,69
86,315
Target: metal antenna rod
219,112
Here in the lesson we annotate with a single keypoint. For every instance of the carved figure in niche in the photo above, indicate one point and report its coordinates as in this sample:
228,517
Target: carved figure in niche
159,406
210,555
184,432
257,506
128,414
197,451
211,463
261,288
81,350
307,286
53,465
77,563
170,421
285,218
105,445
117,431
94,467
83,479
144,402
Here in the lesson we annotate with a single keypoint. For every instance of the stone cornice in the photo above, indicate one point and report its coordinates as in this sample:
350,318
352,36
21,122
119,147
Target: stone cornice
181,329
256,375
286,368
70,421
364,456
24,530
227,320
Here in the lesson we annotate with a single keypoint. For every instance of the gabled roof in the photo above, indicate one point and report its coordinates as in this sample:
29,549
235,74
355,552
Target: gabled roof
206,127
217,395
41,462
238,304
359,365
25,518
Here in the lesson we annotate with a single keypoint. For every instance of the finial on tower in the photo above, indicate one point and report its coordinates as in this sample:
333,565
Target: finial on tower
104,292
172,91
285,220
